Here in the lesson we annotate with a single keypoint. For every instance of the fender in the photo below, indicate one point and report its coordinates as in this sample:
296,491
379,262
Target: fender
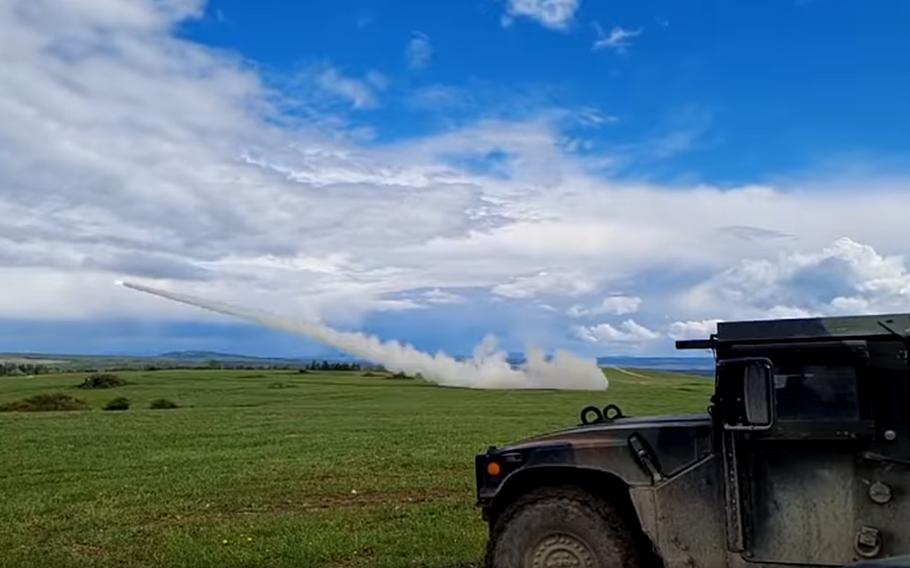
635,452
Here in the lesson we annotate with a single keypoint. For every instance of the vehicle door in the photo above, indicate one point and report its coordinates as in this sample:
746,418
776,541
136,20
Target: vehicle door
798,476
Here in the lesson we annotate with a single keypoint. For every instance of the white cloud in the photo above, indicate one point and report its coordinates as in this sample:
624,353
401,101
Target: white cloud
615,305
361,93
546,284
419,51
594,118
846,277
693,329
627,332
437,296
553,14
618,39
128,152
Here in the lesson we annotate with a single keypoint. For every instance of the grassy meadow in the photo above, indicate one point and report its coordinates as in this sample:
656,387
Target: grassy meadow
272,468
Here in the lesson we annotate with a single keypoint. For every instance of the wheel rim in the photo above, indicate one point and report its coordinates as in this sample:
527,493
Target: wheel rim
561,550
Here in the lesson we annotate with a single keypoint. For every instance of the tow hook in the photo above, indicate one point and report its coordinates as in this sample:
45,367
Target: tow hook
868,542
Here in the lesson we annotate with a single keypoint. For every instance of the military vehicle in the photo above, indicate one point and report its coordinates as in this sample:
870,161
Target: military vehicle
801,459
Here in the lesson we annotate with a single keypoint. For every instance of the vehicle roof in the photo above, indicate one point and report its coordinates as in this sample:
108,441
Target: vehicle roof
849,327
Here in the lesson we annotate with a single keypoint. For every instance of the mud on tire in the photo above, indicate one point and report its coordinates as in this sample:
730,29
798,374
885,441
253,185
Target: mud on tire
561,526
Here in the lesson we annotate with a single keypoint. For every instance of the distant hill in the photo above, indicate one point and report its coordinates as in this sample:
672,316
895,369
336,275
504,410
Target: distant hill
694,365
201,358
217,356
171,359
691,365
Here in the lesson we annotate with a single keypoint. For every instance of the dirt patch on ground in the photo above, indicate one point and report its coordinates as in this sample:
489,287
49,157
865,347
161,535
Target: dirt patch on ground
85,551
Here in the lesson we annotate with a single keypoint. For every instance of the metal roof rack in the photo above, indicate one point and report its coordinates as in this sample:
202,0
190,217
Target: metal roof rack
806,329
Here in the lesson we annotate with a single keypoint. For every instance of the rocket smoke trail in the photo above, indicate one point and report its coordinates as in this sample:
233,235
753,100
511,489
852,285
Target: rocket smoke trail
488,369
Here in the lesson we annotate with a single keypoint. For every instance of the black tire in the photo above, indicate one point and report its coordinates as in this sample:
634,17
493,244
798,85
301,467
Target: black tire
562,526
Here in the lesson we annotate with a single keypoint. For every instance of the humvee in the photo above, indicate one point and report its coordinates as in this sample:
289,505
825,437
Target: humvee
801,459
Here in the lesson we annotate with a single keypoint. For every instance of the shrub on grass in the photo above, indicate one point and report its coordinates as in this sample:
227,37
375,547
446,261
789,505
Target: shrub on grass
119,403
405,377
163,404
45,402
102,381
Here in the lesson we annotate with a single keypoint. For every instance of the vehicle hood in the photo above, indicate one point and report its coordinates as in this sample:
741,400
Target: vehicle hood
618,430
670,442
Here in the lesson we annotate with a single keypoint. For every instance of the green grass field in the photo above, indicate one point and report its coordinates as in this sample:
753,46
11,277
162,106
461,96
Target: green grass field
272,468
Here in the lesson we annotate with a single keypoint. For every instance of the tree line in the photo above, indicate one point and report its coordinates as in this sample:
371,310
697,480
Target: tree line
21,369
332,366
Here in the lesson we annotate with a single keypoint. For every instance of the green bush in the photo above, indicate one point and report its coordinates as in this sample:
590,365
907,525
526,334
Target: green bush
119,403
404,377
45,402
102,381
163,404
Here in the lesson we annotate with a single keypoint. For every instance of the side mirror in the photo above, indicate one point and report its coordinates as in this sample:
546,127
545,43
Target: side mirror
745,394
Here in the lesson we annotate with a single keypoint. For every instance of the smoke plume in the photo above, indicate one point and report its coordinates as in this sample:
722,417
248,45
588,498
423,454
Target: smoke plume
487,369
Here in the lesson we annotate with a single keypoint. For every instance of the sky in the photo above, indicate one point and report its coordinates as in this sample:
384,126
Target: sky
602,177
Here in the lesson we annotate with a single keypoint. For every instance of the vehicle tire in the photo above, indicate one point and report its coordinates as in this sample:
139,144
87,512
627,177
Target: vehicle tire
561,526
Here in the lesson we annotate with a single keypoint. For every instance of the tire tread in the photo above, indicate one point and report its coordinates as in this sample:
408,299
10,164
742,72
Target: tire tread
570,498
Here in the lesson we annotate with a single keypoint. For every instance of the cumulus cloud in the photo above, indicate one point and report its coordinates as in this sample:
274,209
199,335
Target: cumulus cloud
615,305
844,278
628,331
553,14
419,51
619,39
693,329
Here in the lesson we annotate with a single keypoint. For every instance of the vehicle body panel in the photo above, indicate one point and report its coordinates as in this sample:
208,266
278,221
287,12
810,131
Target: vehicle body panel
675,442
827,482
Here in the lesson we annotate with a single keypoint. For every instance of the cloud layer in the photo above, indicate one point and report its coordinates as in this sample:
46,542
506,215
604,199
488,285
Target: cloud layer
126,151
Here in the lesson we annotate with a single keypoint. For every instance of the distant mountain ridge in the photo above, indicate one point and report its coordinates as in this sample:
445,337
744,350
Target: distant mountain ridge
219,356
695,365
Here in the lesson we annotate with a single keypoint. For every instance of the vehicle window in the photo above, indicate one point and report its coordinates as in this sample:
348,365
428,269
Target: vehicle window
816,391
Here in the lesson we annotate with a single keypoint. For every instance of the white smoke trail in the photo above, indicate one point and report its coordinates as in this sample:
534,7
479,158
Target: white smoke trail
488,369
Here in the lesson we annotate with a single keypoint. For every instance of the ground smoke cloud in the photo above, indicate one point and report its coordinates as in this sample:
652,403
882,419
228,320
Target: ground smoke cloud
488,369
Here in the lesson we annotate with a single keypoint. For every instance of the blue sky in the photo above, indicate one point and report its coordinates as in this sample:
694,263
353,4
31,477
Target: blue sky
603,177
751,90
